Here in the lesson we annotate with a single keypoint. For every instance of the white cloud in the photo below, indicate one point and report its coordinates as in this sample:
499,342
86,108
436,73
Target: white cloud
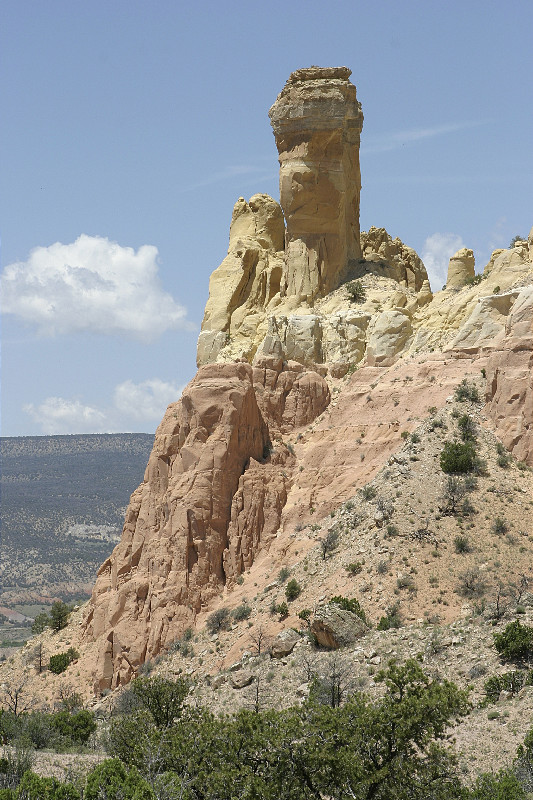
57,415
393,140
92,284
145,401
135,406
437,251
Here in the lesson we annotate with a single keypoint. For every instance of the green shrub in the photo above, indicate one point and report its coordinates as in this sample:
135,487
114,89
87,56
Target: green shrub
283,574
59,614
40,623
77,726
242,612
219,620
350,604
515,642
391,619
462,544
466,391
356,292
293,589
283,610
473,280
499,526
33,787
112,780
369,492
61,661
467,428
354,568
458,457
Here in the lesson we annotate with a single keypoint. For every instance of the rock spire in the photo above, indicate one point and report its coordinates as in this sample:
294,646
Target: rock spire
317,121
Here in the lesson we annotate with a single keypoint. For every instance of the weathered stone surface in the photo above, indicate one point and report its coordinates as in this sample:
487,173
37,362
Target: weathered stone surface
317,121
387,337
284,643
485,323
334,627
247,280
392,259
461,267
509,396
209,502
241,679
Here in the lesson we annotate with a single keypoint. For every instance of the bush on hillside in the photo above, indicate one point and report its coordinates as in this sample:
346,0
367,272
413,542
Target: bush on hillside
515,642
458,457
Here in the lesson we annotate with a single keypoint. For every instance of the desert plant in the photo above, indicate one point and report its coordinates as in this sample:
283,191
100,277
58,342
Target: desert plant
462,544
458,457
219,620
515,642
509,682
467,428
241,612
354,568
59,614
329,542
293,589
350,604
368,492
473,280
356,292
391,619
283,610
471,583
283,574
59,662
466,391
499,526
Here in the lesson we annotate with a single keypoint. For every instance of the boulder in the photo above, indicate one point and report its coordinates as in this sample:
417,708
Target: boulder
334,627
241,679
284,643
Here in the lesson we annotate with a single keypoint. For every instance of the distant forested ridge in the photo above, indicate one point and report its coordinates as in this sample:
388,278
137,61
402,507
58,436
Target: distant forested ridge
63,503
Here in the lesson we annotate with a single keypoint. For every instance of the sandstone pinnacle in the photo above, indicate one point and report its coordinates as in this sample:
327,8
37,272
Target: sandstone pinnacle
317,122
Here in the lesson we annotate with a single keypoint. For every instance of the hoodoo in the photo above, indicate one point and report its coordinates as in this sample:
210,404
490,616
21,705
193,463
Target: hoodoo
317,122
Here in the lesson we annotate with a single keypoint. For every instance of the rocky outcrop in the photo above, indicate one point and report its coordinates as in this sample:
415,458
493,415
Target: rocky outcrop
212,497
461,268
391,258
509,396
246,282
317,121
387,337
333,627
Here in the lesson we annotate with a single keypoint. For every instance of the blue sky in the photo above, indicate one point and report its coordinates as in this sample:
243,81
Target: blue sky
131,128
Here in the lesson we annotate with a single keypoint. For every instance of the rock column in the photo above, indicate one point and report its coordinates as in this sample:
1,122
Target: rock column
317,123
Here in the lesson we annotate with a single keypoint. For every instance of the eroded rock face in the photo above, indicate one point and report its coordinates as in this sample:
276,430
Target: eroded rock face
509,396
393,259
243,286
461,267
317,121
211,498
